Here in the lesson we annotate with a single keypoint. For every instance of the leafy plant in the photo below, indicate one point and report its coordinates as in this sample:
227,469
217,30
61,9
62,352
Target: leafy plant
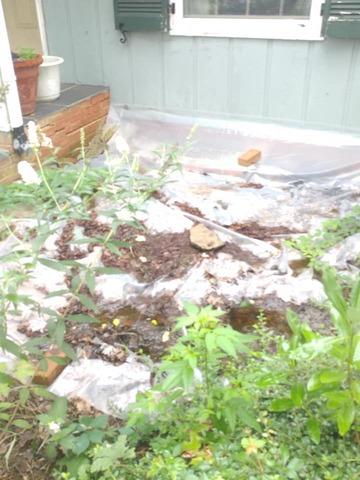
195,371
333,389
181,429
26,53
314,246
58,196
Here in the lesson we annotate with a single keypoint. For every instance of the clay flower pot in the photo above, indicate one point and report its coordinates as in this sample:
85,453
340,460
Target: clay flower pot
27,74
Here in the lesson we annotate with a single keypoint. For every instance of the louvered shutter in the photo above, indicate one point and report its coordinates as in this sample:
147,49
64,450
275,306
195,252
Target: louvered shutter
141,15
342,19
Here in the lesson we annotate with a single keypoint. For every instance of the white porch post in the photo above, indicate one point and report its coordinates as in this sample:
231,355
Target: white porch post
8,76
12,102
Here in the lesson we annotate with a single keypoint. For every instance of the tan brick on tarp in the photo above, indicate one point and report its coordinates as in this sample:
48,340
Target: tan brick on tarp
249,158
54,369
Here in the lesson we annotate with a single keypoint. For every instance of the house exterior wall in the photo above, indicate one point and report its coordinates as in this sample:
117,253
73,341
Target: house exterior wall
310,84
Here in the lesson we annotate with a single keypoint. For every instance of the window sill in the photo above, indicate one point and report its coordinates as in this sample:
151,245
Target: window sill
253,35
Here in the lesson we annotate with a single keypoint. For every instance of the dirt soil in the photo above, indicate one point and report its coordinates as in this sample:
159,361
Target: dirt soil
259,232
242,318
25,462
109,340
159,256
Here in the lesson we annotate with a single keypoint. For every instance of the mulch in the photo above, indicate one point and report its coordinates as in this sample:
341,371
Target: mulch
254,230
163,255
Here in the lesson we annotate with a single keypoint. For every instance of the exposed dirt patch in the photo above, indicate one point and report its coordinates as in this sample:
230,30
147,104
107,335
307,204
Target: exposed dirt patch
67,251
93,228
256,186
274,309
26,462
119,330
185,207
169,255
163,255
259,232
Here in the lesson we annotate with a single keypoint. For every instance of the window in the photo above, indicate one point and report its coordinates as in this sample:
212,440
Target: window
282,19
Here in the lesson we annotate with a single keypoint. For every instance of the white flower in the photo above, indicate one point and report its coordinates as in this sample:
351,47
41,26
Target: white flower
54,427
27,173
36,137
32,134
143,259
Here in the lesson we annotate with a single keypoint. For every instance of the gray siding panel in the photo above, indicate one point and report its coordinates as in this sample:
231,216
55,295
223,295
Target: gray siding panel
314,84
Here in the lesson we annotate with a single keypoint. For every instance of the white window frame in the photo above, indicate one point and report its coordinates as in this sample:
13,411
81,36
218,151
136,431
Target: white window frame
285,28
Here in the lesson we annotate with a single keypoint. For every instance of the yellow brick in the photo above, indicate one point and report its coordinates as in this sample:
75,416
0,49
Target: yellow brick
249,158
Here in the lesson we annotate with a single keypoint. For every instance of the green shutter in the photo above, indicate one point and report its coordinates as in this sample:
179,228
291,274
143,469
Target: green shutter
342,19
141,15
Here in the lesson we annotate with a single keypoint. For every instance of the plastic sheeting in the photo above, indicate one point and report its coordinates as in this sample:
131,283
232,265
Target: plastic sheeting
108,388
288,153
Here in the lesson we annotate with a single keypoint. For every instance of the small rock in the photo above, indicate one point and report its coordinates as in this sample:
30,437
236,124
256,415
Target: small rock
205,239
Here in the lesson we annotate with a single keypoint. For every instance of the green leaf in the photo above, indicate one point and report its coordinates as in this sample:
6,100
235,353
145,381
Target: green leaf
107,457
313,427
90,281
210,342
230,417
59,333
355,295
345,418
187,377
81,443
353,314
87,302
248,418
95,422
331,376
96,436
60,267
297,394
69,351
226,345
82,318
281,405
23,424
24,395
58,409
356,356
59,360
57,293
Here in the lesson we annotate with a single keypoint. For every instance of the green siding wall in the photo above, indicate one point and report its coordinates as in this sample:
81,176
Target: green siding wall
312,84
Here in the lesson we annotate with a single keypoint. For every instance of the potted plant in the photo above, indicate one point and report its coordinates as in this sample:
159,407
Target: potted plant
26,66
49,78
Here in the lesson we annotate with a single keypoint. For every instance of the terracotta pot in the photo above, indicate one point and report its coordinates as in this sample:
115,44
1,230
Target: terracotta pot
27,74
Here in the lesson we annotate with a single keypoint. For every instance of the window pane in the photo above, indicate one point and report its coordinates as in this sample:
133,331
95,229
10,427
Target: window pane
215,7
295,8
292,8
265,7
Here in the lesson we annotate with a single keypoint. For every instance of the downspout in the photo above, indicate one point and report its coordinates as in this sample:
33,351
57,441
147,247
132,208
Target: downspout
12,102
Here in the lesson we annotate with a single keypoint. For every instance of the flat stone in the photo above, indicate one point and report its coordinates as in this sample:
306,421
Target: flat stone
205,239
